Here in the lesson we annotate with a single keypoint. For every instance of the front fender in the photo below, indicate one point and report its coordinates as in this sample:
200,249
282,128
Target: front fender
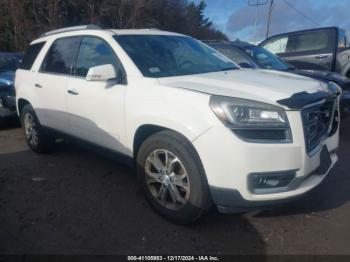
185,112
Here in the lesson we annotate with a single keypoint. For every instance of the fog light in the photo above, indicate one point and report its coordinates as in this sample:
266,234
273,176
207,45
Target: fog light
265,183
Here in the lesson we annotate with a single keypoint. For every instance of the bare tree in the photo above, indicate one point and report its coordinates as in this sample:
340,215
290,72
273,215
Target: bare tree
23,20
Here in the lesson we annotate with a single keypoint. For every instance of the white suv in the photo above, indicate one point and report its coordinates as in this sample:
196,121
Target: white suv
200,130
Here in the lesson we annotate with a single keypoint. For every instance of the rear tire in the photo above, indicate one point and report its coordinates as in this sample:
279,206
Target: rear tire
173,178
38,138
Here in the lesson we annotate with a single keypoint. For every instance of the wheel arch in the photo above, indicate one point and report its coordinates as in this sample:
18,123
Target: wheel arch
142,133
146,130
20,104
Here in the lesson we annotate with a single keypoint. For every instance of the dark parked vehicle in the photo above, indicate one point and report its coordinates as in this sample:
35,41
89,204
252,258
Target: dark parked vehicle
319,49
250,56
9,63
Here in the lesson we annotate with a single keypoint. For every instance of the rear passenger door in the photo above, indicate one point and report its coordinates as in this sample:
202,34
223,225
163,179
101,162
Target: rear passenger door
26,75
51,82
96,108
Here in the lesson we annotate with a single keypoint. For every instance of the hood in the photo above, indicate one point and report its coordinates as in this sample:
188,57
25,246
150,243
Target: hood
7,77
266,86
324,76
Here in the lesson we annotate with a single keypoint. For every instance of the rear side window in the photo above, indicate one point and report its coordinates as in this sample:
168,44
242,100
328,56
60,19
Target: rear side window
95,52
31,55
313,41
61,56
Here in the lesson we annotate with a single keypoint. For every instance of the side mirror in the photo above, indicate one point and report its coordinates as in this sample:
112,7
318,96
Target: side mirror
245,65
101,73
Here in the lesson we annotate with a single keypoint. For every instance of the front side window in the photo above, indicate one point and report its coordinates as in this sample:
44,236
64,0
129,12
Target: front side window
277,45
312,41
94,52
265,59
172,55
61,57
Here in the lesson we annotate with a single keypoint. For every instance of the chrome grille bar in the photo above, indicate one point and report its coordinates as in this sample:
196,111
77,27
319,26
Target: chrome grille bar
318,121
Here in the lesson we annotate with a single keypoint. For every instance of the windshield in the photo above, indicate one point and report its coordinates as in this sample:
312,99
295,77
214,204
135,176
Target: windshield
267,60
170,55
9,62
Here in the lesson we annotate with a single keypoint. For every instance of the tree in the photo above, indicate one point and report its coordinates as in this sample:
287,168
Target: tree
24,20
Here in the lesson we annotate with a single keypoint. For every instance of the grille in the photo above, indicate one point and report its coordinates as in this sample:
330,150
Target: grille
318,122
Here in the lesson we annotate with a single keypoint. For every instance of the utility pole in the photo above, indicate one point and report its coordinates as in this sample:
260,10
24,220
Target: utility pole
257,3
269,20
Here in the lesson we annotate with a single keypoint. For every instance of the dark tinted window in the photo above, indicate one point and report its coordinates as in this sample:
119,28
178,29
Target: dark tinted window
31,55
94,52
9,62
172,55
312,41
61,57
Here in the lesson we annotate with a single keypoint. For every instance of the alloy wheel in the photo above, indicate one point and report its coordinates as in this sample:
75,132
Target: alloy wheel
167,179
30,130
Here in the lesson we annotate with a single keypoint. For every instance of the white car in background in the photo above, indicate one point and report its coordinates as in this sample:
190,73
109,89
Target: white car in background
199,129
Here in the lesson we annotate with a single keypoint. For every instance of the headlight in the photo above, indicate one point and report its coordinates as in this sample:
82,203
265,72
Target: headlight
252,121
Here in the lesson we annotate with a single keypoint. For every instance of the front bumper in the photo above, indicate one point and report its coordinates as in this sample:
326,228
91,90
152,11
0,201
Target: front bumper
231,201
228,161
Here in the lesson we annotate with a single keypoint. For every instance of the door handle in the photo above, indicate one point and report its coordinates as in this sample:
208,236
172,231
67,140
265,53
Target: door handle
38,86
321,56
73,92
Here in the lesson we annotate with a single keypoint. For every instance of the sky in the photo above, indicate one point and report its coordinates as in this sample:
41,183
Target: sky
237,19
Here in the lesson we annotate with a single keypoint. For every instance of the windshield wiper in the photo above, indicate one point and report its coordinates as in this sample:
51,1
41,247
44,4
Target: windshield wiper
228,69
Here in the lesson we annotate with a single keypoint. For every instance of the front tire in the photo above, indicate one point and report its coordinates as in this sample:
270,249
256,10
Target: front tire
38,138
173,178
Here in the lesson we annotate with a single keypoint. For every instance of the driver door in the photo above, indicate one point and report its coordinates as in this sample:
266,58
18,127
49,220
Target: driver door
96,108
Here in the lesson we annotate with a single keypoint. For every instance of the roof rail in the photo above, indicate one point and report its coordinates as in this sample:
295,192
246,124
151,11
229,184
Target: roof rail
69,29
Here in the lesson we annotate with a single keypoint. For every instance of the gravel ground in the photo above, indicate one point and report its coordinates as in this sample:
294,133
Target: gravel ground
77,202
